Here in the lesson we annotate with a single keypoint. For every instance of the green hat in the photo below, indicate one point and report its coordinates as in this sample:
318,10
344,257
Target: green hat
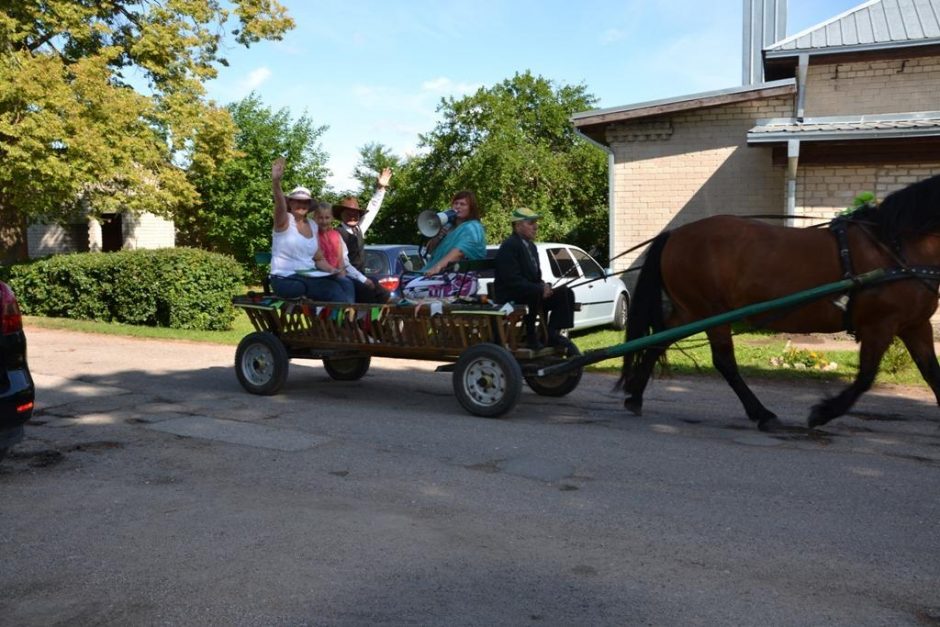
524,213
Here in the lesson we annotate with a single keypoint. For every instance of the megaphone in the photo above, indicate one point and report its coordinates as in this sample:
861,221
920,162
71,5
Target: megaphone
431,222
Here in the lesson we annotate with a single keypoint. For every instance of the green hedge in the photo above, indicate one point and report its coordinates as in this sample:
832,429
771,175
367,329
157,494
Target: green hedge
181,288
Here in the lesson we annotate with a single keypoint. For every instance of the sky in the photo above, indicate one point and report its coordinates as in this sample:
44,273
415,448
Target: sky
376,71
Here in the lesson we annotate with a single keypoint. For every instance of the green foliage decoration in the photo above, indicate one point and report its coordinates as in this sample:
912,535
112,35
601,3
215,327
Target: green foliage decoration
863,199
180,288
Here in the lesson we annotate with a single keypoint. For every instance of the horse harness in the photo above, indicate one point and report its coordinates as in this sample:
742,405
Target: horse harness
929,276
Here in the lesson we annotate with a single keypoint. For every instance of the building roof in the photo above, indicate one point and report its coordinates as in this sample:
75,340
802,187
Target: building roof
584,120
879,126
874,25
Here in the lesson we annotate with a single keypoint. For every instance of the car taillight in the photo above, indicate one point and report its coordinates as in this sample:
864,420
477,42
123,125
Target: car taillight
24,407
390,283
10,319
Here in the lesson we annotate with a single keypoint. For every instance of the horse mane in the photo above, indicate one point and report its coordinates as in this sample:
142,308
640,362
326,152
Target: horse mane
908,212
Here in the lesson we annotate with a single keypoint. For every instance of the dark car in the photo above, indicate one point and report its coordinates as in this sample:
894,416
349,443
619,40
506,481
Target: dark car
385,263
16,385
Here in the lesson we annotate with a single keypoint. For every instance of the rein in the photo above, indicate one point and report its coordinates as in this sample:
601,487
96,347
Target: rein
757,216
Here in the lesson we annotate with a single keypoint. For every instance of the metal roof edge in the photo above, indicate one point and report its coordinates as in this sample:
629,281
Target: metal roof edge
819,136
887,45
594,113
821,25
861,118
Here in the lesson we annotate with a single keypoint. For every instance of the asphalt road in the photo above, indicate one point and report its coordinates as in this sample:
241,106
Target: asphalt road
152,490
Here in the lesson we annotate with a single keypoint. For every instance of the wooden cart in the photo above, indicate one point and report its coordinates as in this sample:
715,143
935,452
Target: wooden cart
483,346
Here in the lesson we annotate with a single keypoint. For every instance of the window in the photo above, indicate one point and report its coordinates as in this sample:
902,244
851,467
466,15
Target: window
562,265
411,262
375,262
589,267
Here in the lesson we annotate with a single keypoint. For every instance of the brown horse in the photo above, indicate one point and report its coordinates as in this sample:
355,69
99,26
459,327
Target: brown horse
722,263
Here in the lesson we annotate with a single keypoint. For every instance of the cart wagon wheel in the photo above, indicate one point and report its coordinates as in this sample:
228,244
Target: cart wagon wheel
487,380
347,368
261,363
559,384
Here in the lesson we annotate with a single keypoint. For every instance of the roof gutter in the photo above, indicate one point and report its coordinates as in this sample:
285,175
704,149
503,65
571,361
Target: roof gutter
893,45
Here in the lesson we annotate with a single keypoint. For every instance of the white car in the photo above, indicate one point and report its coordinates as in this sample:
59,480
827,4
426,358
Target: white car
604,300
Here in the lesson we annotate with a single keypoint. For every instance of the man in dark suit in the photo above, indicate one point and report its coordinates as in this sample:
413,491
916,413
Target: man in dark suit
519,280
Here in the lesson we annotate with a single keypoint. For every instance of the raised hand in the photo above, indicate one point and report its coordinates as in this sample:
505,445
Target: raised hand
277,169
385,177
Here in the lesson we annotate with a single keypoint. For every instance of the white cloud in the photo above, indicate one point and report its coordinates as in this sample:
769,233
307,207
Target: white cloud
612,35
255,79
444,86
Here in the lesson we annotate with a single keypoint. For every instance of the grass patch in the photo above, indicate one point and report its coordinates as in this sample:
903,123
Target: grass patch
754,352
240,328
691,356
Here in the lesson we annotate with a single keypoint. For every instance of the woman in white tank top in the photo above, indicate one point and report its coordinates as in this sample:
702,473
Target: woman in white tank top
294,247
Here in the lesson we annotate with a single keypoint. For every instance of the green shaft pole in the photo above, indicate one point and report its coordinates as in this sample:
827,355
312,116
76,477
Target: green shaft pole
670,335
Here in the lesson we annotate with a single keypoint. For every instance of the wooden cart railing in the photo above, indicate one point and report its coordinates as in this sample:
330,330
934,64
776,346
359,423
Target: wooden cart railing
415,331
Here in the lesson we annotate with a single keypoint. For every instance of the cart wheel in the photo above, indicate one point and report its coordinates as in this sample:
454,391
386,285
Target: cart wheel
261,363
559,384
348,368
487,380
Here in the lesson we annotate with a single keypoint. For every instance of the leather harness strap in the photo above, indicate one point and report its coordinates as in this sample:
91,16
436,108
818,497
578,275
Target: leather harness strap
928,275
838,228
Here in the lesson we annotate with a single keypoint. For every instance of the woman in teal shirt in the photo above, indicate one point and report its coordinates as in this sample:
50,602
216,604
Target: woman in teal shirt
467,240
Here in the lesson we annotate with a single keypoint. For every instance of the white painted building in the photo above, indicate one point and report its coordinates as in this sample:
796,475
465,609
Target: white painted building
119,231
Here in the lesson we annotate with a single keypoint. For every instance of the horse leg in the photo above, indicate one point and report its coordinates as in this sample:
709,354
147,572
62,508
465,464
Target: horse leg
870,353
919,343
723,358
640,376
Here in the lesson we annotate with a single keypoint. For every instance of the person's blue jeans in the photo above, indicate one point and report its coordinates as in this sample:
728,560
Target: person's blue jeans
329,289
348,288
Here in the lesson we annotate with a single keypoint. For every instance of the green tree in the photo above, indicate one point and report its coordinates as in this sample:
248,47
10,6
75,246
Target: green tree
233,214
102,103
513,144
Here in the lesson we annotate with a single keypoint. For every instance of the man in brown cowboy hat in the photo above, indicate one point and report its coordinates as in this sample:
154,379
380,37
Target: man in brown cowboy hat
354,224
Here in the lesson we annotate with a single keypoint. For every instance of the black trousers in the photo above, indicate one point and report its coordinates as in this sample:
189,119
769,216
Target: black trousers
366,294
558,308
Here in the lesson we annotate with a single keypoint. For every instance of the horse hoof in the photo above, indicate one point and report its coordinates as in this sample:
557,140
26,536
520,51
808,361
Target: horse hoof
633,406
817,418
770,425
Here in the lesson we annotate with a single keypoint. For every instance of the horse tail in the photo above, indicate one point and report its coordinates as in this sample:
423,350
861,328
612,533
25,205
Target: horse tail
646,306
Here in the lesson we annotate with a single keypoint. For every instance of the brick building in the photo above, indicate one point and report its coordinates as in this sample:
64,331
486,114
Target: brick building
850,105
112,232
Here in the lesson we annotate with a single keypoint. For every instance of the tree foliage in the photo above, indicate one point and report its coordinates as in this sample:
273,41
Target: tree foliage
234,211
102,102
513,145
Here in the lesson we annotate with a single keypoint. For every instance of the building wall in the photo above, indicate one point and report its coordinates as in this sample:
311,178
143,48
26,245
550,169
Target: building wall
143,231
52,239
680,168
864,87
824,191
148,231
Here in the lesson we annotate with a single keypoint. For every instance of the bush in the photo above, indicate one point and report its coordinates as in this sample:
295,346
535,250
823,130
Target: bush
896,359
181,288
